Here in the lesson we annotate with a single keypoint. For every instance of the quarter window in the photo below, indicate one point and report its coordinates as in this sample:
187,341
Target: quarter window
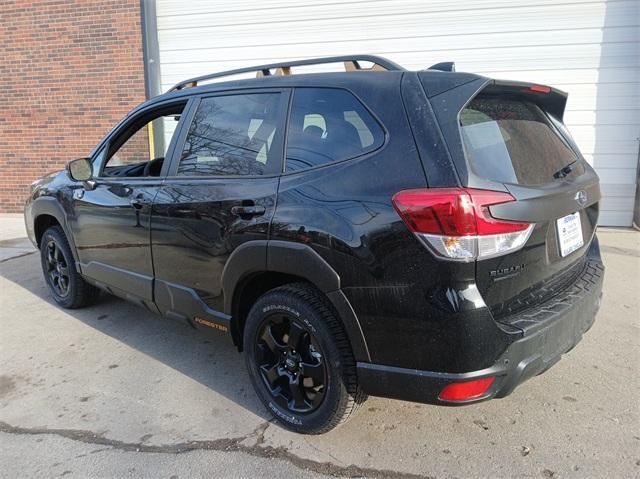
328,125
232,135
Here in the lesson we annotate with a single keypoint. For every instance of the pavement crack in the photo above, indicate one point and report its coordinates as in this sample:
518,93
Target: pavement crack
221,445
259,433
322,451
18,255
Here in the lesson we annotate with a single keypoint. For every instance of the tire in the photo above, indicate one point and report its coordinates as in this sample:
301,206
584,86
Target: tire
310,388
65,284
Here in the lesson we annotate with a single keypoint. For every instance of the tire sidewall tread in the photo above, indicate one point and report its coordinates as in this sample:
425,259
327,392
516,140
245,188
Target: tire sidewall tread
342,395
81,293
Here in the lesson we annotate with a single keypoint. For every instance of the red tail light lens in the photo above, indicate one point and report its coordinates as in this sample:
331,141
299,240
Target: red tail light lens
487,225
456,222
453,211
467,390
539,89
446,211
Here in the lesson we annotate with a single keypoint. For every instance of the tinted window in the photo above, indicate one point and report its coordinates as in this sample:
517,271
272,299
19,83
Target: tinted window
512,141
232,135
328,125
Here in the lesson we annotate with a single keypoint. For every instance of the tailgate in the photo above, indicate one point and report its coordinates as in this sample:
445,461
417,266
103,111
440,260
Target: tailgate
513,135
554,255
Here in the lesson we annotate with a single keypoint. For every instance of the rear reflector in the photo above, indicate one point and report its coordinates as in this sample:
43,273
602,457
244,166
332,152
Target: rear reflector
455,223
466,390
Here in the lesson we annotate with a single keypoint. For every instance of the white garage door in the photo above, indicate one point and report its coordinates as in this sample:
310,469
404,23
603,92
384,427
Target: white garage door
589,49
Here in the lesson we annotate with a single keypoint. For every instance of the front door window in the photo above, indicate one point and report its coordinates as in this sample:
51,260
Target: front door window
141,149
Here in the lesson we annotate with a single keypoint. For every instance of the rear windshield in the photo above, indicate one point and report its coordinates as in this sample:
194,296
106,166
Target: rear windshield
513,141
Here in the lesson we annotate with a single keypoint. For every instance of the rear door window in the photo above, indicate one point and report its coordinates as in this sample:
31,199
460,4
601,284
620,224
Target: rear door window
234,135
328,125
513,141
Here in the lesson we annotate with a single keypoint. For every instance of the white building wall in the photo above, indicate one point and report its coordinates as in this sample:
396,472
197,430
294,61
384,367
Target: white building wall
590,49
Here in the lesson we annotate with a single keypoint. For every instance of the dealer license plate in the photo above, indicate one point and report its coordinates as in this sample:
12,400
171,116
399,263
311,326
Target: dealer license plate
569,233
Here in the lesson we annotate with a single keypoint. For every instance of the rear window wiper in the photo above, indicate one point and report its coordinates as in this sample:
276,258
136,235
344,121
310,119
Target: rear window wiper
565,170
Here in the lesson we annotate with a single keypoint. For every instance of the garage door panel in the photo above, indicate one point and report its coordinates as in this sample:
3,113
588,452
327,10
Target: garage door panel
198,8
479,60
606,160
582,58
592,138
391,18
620,176
590,146
617,190
604,103
430,45
470,59
615,218
603,117
617,203
584,80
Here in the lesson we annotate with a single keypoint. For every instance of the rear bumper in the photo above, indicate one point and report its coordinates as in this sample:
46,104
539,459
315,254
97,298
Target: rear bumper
560,324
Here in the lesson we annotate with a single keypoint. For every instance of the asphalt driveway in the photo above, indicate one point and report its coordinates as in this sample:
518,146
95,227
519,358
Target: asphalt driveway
114,391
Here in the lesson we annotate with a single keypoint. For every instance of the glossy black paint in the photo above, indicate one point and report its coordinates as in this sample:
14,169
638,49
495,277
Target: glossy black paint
189,246
558,327
194,229
541,257
110,225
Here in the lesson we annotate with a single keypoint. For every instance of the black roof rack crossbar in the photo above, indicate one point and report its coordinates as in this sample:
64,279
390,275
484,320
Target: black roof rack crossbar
284,68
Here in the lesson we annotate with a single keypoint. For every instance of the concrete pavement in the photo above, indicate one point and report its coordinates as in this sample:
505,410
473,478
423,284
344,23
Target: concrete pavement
114,391
13,237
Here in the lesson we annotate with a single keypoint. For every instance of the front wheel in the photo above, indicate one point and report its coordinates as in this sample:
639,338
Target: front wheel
65,284
300,360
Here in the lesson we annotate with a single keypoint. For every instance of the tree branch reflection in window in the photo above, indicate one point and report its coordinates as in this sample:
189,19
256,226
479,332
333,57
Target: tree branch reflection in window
231,136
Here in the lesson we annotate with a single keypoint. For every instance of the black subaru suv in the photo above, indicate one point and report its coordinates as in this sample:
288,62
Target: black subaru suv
426,236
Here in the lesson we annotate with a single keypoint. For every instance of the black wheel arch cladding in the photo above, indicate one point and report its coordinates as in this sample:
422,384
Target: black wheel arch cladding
297,260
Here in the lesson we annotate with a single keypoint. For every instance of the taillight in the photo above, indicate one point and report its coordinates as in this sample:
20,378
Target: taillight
467,390
455,223
539,89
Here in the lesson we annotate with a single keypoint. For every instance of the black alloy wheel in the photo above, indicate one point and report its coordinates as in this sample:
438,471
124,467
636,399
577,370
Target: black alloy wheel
57,270
291,363
67,286
299,359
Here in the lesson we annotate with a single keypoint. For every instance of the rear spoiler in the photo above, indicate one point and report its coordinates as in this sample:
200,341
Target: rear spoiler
548,98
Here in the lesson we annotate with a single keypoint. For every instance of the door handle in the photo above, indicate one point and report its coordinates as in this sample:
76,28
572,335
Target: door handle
138,203
245,211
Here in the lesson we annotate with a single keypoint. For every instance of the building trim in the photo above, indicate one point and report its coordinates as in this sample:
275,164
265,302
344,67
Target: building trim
150,48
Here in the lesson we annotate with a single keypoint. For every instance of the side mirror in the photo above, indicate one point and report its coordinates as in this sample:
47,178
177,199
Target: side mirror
80,169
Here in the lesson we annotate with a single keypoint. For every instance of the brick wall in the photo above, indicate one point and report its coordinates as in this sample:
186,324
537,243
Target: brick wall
69,70
135,150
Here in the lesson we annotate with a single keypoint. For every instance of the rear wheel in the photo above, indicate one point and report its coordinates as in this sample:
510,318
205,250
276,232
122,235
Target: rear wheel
300,360
65,284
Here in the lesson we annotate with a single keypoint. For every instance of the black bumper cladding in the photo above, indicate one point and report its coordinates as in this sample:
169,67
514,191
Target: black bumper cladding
550,330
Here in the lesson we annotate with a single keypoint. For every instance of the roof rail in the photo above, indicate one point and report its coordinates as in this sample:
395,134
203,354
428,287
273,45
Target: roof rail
351,63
